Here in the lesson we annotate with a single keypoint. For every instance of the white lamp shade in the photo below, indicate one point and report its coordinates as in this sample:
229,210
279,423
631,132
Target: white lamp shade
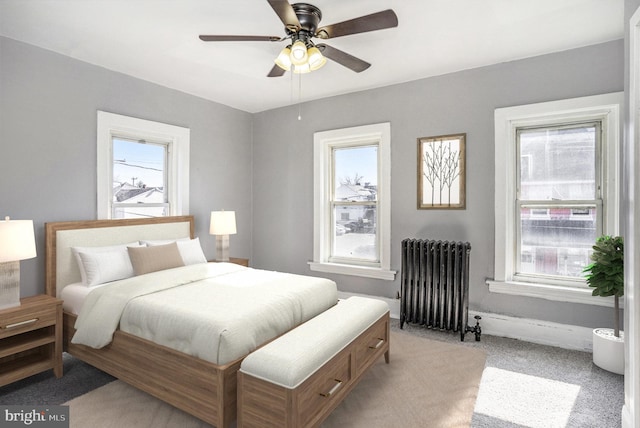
222,223
17,240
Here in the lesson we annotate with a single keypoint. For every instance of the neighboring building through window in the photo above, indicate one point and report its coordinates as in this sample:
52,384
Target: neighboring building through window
354,204
143,168
557,190
352,201
140,178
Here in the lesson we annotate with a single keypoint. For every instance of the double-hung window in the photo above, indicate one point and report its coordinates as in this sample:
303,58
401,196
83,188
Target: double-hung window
558,200
352,201
143,168
557,190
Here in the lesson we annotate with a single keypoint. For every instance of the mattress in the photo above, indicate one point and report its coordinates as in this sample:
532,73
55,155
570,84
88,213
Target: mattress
73,296
219,313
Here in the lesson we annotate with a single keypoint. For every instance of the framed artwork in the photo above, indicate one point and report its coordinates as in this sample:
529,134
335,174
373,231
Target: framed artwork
441,172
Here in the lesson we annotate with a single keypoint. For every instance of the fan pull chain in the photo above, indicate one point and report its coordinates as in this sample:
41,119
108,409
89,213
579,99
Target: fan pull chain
299,96
291,87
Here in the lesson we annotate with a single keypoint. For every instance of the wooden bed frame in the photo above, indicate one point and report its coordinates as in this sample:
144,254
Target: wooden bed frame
205,390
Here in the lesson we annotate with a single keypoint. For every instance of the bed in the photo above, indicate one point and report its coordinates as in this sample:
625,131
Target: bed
200,380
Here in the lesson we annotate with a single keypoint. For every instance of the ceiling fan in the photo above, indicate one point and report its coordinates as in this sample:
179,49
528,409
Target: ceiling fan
301,21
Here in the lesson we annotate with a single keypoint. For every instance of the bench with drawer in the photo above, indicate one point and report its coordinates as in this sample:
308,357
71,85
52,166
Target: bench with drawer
300,378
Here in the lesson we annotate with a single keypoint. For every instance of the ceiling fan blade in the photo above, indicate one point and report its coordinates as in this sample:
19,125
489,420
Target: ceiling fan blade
375,21
285,12
232,38
276,71
343,58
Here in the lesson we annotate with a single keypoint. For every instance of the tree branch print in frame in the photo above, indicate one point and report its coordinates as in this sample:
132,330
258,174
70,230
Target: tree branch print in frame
441,172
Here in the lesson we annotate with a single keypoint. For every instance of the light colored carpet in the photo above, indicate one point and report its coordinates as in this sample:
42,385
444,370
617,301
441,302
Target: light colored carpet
427,383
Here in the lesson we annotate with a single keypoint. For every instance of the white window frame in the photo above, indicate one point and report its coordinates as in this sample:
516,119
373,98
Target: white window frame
178,140
324,142
606,108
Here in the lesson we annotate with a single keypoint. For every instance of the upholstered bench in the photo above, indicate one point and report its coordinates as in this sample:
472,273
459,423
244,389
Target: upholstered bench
299,378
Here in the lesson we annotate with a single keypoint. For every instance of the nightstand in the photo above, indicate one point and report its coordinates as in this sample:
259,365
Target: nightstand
236,260
30,338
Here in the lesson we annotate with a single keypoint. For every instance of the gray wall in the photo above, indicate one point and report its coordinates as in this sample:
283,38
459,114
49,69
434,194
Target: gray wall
454,103
48,105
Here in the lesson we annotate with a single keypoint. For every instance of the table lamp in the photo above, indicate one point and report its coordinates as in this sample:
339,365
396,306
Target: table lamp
223,224
17,242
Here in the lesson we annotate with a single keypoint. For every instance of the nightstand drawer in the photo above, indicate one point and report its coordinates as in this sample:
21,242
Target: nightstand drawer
24,321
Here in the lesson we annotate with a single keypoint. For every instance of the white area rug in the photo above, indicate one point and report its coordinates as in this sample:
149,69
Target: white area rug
427,383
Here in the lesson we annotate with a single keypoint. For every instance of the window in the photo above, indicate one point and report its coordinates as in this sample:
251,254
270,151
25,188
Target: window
143,168
559,176
352,201
558,197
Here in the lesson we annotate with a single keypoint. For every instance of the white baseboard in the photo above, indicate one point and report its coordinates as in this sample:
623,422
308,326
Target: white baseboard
530,330
536,331
626,417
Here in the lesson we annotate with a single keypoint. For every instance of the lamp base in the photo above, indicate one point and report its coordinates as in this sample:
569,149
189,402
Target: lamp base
9,284
222,248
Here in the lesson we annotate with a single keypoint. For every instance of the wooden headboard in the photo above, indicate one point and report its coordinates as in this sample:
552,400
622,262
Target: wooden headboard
60,265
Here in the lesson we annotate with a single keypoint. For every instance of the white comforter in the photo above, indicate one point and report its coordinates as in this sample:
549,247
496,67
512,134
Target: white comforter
218,312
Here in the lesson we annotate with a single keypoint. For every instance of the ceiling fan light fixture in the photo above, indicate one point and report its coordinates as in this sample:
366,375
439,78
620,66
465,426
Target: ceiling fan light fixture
301,24
316,59
298,53
284,59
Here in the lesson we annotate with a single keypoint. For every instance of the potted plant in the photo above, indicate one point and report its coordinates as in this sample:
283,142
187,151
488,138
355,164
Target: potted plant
606,275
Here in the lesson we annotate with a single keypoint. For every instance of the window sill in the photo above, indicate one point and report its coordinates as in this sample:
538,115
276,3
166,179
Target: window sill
354,270
550,292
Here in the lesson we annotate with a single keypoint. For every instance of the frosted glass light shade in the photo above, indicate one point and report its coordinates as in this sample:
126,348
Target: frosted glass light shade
283,60
316,59
301,69
298,53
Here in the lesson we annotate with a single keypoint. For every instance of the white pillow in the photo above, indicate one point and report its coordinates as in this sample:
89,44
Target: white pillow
190,249
98,265
191,252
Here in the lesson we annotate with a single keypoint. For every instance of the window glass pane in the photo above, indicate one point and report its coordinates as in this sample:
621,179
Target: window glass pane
557,243
355,232
139,172
139,211
558,163
355,173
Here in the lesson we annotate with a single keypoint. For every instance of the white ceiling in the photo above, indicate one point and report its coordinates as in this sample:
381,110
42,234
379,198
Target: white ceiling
157,40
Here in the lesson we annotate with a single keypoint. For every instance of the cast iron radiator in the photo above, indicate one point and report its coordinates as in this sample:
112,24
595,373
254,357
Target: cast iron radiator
435,285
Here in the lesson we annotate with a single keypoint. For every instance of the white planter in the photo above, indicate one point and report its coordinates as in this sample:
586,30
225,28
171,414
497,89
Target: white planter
608,350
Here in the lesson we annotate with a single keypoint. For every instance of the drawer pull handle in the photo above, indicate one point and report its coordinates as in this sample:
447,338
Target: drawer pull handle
377,345
333,390
21,323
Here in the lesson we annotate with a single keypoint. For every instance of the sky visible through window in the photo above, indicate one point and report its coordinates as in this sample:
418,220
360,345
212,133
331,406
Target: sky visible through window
135,163
362,161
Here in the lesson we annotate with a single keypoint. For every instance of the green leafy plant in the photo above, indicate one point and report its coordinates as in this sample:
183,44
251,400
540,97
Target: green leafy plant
606,273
